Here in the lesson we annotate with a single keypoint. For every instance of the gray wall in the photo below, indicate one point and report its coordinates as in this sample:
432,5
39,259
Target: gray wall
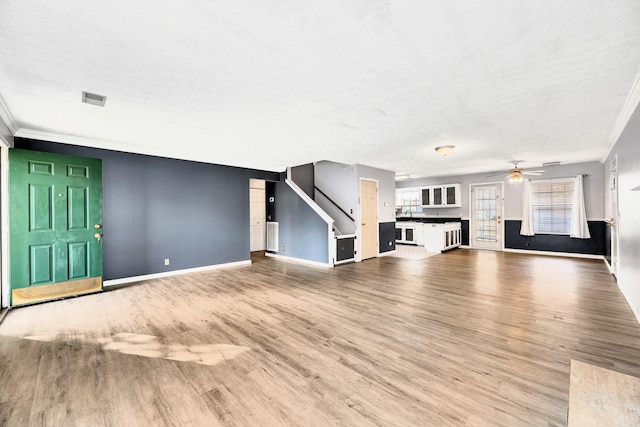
339,182
628,150
513,192
302,233
303,176
386,190
195,214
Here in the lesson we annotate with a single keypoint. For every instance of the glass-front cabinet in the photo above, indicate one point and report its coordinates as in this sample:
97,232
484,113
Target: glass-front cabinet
441,196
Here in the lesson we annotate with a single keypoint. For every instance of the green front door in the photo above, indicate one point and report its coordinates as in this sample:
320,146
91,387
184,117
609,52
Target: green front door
55,225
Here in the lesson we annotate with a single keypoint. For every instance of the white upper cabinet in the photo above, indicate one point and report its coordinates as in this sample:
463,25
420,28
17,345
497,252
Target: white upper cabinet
441,196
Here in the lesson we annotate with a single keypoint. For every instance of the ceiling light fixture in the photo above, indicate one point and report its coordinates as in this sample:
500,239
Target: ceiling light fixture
403,176
445,150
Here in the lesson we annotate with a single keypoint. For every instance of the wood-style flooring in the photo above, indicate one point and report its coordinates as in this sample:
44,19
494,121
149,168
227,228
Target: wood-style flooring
467,337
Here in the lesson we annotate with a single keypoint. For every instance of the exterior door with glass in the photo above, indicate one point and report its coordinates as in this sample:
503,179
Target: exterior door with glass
486,230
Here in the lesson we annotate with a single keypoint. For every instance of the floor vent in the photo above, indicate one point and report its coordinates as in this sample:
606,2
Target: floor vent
272,236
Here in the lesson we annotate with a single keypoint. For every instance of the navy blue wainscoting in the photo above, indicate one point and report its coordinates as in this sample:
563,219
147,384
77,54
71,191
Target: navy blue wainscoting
387,236
554,242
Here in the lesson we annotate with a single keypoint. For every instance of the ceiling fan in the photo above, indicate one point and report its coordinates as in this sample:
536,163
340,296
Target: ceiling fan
516,173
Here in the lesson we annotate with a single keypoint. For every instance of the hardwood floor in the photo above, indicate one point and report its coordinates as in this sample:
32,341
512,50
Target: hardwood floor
463,338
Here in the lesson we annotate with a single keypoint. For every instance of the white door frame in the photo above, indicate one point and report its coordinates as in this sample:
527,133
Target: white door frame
614,220
252,186
472,216
358,256
4,225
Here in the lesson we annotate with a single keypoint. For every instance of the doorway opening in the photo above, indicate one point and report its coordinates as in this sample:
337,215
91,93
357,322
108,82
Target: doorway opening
257,215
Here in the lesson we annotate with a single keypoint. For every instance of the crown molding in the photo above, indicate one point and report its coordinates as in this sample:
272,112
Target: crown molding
62,138
7,117
630,105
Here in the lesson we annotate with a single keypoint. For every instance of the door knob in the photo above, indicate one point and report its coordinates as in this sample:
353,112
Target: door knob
97,226
98,236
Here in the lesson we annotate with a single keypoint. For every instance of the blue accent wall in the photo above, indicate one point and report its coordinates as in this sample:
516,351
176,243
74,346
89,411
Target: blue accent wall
302,232
195,214
556,243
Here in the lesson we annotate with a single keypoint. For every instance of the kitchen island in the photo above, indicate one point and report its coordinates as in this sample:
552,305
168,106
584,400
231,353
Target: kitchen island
435,234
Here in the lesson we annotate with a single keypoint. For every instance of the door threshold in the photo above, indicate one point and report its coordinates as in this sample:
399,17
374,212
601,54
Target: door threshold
55,291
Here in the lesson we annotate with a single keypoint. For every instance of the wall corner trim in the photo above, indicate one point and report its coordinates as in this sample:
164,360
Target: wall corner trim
133,279
7,117
630,105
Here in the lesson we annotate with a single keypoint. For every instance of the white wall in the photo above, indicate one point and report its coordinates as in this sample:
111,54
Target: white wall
628,150
513,192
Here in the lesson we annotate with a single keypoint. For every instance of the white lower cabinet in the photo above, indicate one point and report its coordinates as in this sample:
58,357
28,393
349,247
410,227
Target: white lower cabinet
434,237
409,232
440,237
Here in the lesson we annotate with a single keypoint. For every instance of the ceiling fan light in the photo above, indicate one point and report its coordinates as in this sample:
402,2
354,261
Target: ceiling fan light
515,178
445,150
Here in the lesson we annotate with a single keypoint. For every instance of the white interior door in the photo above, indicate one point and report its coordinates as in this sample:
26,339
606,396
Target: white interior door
486,231
258,215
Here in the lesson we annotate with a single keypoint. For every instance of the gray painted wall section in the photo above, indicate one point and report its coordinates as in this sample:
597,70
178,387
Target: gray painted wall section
513,192
303,233
628,150
339,182
303,176
195,214
386,190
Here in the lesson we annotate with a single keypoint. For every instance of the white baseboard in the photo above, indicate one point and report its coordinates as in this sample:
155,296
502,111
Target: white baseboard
549,253
387,253
297,260
608,266
132,279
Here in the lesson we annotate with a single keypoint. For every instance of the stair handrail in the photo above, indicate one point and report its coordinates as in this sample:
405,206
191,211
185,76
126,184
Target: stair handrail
334,203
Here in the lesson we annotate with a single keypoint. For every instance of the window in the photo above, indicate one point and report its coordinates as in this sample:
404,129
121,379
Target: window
408,201
552,205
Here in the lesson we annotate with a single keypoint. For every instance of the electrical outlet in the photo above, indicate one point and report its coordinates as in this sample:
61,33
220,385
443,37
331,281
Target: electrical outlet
166,261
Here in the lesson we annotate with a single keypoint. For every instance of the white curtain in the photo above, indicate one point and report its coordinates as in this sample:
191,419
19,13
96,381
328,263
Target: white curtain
527,210
579,225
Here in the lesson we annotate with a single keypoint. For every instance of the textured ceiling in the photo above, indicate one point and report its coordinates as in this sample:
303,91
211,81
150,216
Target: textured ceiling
271,84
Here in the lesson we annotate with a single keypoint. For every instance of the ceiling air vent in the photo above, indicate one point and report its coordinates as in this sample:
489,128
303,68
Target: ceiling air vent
93,99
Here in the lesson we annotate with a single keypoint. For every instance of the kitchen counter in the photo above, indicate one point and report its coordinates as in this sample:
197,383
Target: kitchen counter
428,220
